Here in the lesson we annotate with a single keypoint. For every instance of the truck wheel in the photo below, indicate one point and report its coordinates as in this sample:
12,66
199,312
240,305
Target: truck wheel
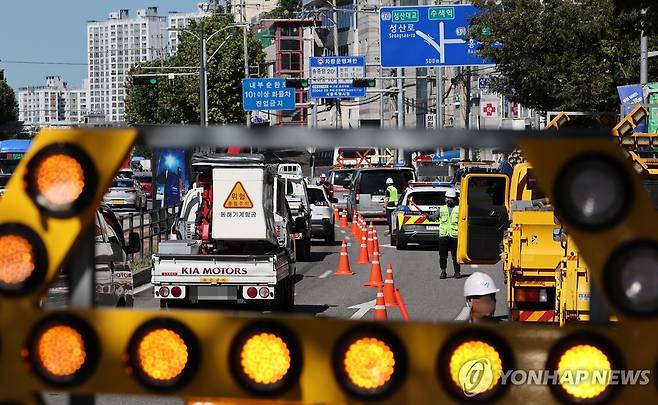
300,250
290,296
284,300
307,249
331,238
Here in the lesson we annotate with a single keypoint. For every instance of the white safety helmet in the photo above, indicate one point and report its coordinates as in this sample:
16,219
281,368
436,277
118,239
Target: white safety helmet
479,283
451,193
323,176
389,181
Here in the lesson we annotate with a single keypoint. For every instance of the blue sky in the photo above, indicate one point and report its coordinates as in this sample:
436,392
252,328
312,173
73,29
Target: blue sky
54,31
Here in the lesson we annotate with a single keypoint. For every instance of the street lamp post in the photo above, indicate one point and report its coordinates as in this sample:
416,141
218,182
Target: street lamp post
203,64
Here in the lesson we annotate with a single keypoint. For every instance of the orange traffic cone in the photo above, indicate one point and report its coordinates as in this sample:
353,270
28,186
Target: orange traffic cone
389,288
375,272
380,306
375,241
355,225
403,307
343,219
369,241
336,214
343,263
363,253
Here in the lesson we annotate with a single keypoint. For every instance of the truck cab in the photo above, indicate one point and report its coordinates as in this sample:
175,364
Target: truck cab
233,239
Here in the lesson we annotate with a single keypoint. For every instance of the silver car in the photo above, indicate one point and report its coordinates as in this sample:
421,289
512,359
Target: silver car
322,214
125,193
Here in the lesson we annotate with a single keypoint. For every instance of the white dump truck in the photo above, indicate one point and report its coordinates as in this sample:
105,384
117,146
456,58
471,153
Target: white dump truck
232,240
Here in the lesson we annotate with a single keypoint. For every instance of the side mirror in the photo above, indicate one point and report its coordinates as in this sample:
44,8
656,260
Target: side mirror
333,200
300,224
134,243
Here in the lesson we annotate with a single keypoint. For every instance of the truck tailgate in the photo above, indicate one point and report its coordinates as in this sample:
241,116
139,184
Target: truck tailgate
211,269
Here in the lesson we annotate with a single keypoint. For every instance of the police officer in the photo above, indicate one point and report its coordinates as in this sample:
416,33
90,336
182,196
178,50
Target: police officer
390,201
448,216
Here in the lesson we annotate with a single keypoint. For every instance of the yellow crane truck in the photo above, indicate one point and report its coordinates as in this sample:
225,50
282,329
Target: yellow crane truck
547,279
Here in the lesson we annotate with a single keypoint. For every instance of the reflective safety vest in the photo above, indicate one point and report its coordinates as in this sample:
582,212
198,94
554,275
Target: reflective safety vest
392,196
448,223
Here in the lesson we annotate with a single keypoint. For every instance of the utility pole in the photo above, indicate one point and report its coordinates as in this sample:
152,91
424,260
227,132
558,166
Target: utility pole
339,113
203,90
644,54
245,46
439,97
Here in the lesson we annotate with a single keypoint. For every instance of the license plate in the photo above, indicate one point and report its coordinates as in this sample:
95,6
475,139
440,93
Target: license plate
432,228
377,198
117,201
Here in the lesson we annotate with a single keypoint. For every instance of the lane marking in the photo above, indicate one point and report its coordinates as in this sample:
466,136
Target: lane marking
142,288
348,238
362,309
385,245
475,266
325,274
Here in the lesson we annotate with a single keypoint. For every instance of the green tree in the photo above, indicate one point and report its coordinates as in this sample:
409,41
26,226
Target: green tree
560,54
8,106
177,101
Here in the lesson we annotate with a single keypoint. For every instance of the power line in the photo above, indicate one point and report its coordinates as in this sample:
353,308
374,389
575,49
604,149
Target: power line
31,62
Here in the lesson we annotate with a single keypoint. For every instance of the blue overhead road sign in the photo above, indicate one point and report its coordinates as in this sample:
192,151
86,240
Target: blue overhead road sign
425,36
267,94
331,76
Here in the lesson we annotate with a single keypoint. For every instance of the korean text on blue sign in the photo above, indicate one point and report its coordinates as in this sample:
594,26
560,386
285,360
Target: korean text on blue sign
331,77
267,94
630,96
425,36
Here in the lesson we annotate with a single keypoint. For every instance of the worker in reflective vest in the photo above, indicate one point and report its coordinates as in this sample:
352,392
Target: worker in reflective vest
390,201
448,217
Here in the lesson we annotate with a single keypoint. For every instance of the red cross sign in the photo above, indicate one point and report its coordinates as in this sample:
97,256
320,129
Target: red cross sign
489,109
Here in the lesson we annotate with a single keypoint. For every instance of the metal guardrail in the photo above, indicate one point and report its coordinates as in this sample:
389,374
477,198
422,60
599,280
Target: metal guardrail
152,226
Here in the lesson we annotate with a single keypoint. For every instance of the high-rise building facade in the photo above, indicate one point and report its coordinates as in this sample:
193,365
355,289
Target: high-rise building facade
113,47
177,21
42,105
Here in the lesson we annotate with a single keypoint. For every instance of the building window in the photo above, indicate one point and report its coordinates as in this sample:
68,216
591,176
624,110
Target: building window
290,45
291,62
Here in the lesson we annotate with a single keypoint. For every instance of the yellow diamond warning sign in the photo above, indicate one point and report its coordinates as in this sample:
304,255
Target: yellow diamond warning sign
238,198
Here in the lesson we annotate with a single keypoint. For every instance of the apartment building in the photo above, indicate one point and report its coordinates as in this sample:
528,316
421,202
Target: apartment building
42,105
113,47
179,20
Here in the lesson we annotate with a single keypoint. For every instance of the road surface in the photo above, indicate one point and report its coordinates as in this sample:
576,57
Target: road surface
319,293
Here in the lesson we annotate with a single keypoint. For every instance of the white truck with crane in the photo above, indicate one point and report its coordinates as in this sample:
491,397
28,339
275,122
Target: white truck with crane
232,240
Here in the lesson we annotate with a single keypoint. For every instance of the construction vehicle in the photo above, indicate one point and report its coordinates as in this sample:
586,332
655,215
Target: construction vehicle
546,280
233,239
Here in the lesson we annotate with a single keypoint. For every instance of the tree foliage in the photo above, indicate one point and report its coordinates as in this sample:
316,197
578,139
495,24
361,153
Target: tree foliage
560,54
650,19
8,106
177,101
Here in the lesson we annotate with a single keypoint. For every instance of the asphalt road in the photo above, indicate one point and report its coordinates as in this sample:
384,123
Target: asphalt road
319,293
